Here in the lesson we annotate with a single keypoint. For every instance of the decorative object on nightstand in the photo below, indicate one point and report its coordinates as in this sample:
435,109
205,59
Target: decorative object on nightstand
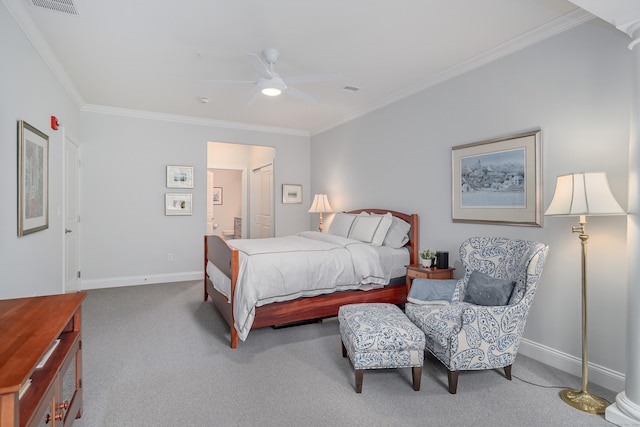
426,257
582,194
320,205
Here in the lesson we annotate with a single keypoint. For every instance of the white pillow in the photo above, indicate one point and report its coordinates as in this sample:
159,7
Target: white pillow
398,234
383,228
364,228
341,224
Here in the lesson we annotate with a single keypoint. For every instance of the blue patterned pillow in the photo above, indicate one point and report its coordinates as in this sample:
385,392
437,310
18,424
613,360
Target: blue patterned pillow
486,290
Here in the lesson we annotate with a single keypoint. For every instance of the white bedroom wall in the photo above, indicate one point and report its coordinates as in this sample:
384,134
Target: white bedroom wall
126,237
575,87
30,265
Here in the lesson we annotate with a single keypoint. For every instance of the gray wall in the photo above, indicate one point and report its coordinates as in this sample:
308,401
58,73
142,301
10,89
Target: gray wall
575,87
32,264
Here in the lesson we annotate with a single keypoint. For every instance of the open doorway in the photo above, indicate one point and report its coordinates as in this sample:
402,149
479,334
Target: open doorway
234,202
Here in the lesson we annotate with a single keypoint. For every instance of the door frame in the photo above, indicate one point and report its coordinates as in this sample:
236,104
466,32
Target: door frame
245,191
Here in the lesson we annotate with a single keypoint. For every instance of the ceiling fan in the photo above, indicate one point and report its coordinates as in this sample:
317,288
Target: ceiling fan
271,84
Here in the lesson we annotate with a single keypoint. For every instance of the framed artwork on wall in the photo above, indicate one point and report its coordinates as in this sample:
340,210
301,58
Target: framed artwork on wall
179,176
498,181
217,195
33,179
177,204
291,193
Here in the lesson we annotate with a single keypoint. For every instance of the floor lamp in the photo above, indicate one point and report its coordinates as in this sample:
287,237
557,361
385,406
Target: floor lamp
582,194
320,205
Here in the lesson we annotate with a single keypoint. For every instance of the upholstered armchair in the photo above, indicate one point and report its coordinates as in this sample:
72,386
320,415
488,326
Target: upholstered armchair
467,336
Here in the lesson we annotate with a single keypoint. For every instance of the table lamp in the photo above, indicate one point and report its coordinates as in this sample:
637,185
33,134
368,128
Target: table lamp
320,205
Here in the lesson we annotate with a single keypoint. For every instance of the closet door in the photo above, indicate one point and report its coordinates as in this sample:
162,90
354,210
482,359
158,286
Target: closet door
263,202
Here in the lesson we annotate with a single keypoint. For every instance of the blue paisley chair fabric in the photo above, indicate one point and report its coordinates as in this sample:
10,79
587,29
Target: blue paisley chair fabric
464,336
379,336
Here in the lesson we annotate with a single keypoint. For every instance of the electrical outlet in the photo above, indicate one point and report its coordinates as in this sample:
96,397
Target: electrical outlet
170,256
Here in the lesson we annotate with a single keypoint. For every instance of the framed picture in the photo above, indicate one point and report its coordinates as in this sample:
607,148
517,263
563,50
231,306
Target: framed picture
177,204
217,195
179,176
498,181
291,193
33,179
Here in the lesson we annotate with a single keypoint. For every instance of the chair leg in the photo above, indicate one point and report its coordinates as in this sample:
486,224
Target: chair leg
507,372
417,376
453,381
344,350
359,376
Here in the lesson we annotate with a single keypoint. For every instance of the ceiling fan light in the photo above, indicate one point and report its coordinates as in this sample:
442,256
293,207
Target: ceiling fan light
272,87
271,91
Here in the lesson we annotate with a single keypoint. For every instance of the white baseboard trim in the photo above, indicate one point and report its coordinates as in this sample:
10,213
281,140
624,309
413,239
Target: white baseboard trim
117,282
599,375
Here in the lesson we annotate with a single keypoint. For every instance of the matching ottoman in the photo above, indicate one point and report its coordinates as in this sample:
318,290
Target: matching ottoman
380,336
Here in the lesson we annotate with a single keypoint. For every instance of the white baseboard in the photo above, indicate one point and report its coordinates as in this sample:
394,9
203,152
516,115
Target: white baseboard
117,282
599,375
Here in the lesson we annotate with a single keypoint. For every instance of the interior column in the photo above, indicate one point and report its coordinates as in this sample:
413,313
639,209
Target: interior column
626,409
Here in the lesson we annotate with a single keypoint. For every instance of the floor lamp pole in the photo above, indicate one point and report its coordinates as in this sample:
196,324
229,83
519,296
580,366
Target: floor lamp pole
582,399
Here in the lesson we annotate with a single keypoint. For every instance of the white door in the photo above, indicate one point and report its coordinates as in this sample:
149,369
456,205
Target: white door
210,218
263,201
71,217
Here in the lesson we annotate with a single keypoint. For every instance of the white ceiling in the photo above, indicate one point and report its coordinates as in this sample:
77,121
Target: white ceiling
141,57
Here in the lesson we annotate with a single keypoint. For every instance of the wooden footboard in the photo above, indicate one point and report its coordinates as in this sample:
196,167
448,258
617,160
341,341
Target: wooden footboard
225,258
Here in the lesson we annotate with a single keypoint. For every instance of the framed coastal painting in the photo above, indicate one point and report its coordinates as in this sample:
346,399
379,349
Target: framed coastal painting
179,176
33,179
291,193
177,204
498,181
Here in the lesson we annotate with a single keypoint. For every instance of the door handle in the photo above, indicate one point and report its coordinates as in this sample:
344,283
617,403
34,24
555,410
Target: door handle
67,231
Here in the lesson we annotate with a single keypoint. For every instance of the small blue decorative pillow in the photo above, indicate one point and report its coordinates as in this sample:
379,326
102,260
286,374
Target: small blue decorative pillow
486,290
430,291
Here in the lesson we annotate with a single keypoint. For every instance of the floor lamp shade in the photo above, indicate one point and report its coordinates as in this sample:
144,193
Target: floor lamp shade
320,205
582,194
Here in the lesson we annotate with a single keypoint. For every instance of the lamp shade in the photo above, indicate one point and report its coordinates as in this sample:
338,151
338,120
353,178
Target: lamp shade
583,194
320,204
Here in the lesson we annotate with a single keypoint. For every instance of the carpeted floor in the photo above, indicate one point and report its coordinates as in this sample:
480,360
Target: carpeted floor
157,355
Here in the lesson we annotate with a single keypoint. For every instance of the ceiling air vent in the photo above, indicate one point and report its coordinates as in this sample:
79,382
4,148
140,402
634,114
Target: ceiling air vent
64,6
350,89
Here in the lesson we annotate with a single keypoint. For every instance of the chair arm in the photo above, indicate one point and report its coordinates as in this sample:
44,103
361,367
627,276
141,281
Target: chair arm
489,323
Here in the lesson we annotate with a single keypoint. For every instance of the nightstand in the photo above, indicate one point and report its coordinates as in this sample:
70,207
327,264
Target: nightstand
416,271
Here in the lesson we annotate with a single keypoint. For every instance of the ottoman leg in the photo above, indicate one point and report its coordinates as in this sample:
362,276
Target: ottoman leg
417,376
359,376
344,350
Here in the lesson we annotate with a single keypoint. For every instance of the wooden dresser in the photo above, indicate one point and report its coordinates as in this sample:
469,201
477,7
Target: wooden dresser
28,329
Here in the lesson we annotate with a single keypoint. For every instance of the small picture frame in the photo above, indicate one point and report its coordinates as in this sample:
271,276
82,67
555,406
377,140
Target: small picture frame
217,195
179,176
33,179
291,193
177,204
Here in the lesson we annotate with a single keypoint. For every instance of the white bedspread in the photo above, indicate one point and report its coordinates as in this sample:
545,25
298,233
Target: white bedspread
311,263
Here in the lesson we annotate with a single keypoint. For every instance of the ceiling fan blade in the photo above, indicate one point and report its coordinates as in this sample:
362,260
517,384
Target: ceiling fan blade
295,93
260,66
254,98
297,80
228,81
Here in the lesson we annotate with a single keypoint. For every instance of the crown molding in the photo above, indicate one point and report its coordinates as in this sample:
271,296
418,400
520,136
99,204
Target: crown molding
190,120
557,26
18,12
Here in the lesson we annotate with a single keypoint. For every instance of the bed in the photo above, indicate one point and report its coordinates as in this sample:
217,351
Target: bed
232,268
